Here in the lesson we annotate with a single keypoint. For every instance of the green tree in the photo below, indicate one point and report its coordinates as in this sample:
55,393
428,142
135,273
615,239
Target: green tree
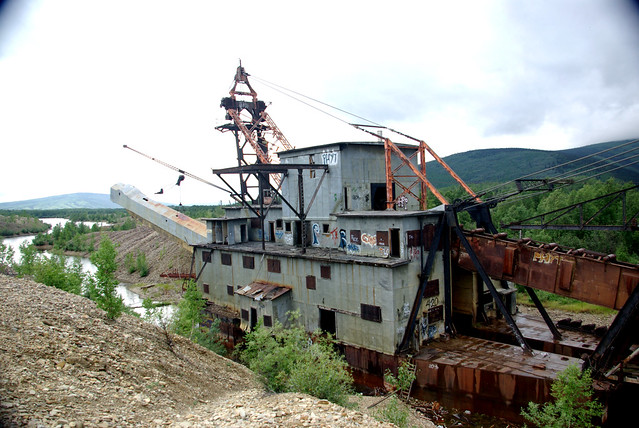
141,264
102,287
573,405
6,257
188,320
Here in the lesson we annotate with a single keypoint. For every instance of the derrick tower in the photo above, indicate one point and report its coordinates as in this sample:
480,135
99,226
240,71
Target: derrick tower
257,137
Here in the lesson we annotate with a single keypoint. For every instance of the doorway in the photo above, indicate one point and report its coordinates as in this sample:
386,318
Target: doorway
327,322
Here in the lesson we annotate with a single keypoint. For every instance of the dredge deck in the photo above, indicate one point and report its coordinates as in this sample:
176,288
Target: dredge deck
485,376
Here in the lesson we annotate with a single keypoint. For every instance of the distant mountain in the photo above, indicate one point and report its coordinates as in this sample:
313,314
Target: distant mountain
72,200
502,165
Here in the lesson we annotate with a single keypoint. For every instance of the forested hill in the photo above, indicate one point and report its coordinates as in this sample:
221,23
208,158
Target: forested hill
73,200
502,165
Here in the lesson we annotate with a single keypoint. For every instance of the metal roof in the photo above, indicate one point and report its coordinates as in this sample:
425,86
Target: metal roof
262,290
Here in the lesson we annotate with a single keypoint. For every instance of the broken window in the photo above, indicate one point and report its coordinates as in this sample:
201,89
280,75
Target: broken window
206,256
273,265
325,228
225,258
310,282
371,312
268,321
205,288
245,315
325,271
278,223
287,226
248,262
229,290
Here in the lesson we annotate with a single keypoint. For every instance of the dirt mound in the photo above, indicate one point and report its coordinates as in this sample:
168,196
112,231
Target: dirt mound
63,364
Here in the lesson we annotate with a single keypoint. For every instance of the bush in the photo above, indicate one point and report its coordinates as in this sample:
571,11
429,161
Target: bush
141,264
129,263
395,412
6,258
290,360
405,377
573,405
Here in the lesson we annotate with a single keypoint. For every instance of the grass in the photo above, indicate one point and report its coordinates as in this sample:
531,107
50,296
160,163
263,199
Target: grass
553,301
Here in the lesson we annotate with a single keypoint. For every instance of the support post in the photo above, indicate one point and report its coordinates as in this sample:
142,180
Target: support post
540,307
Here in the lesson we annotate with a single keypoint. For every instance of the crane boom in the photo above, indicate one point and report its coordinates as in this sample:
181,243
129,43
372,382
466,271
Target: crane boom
181,171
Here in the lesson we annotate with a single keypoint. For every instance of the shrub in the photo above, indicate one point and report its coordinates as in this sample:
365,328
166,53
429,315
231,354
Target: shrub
102,284
129,263
290,360
141,264
573,405
395,412
404,379
6,257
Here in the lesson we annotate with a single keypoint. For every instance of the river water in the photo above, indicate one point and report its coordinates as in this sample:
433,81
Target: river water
130,298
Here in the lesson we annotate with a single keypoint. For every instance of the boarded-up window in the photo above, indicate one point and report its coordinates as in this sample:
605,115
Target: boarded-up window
229,290
274,265
268,321
278,223
248,262
356,237
413,238
205,288
436,313
371,312
429,235
256,223
245,315
325,271
382,238
206,256
432,288
310,282
226,258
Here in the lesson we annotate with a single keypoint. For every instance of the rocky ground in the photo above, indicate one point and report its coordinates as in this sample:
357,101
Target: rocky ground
62,363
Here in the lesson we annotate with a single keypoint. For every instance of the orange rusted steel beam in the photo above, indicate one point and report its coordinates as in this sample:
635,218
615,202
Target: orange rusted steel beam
390,145
441,162
389,175
587,277
423,201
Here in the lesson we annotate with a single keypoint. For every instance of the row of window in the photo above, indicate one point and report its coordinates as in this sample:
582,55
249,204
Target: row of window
272,265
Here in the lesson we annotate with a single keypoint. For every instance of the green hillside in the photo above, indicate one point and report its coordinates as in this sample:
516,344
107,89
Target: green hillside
502,165
72,200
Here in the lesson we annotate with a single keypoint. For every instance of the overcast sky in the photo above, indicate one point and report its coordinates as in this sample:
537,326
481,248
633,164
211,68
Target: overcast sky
78,79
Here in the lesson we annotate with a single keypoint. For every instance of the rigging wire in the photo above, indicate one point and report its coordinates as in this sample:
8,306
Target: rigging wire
282,89
570,173
560,165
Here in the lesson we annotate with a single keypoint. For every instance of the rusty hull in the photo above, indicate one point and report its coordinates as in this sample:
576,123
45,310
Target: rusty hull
588,277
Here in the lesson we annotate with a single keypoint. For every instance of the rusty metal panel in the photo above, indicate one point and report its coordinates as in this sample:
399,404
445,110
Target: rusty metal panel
413,238
564,278
435,314
382,238
628,283
356,237
432,288
310,282
508,268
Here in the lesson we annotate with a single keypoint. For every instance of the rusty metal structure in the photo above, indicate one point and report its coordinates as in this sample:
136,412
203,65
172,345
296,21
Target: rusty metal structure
393,279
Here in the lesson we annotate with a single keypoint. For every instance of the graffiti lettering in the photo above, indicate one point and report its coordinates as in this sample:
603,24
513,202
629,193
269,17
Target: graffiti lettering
334,234
414,252
279,234
402,202
433,301
369,239
433,366
383,251
352,248
330,158
545,258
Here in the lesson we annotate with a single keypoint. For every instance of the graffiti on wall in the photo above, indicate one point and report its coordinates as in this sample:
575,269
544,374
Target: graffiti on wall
352,249
329,158
369,239
383,251
279,234
414,252
342,239
402,202
316,232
